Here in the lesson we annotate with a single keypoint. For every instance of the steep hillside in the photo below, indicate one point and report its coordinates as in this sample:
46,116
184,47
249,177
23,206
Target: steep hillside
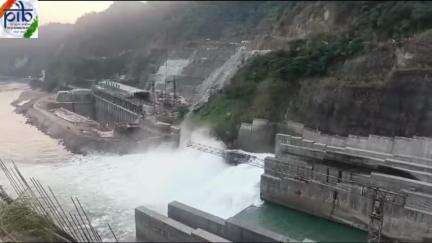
133,38
344,67
371,76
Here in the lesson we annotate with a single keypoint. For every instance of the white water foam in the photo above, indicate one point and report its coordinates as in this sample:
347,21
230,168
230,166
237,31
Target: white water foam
111,186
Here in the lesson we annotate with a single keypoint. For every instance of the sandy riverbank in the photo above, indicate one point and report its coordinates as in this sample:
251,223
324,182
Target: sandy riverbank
33,104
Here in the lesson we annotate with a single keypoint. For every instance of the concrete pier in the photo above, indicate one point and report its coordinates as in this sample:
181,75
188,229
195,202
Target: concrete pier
330,180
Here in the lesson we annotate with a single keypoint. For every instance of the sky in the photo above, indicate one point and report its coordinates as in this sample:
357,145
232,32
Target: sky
68,11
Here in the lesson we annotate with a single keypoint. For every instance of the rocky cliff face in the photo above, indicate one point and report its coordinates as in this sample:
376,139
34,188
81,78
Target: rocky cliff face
402,107
347,68
383,92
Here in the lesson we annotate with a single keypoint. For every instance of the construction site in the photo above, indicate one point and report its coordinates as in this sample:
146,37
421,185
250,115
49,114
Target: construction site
386,194
380,185
375,184
110,116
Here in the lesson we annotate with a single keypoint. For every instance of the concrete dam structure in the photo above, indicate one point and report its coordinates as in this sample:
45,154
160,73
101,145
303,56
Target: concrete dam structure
380,192
187,224
107,102
128,116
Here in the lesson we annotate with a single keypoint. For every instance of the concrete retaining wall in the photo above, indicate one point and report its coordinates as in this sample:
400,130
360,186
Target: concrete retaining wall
154,227
396,183
196,218
84,109
324,196
420,168
257,136
417,147
79,101
241,232
230,229
106,111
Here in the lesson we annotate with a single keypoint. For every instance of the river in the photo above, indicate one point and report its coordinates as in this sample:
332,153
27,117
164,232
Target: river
110,186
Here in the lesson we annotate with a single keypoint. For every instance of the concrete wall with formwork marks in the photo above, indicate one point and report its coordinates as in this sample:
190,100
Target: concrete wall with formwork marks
154,227
257,136
231,229
416,149
79,101
337,183
107,111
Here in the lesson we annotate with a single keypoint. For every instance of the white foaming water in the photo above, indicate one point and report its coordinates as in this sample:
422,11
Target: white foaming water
111,186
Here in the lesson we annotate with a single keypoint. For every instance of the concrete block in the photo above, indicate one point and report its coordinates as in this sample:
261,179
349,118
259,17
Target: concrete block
239,231
347,158
295,127
397,183
154,227
308,143
413,159
368,153
256,137
380,144
409,165
195,218
281,138
361,178
258,124
428,148
312,135
358,142
337,141
320,172
324,139
333,175
302,151
245,128
204,236
337,149
293,140
403,146
298,141
346,176
417,201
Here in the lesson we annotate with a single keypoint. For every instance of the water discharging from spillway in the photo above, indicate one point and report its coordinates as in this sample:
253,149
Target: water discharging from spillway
111,186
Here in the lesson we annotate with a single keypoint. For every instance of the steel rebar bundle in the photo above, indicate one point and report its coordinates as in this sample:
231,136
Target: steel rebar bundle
75,223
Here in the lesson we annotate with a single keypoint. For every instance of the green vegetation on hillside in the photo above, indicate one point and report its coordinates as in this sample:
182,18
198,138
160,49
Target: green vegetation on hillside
265,87
130,27
74,70
382,20
269,86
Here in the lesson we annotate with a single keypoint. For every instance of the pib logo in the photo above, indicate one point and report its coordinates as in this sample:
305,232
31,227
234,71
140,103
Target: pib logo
19,19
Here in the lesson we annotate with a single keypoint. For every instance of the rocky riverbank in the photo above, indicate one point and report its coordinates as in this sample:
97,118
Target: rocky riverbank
81,137
33,104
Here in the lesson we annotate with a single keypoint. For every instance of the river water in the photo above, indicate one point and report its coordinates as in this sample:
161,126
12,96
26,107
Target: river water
110,186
